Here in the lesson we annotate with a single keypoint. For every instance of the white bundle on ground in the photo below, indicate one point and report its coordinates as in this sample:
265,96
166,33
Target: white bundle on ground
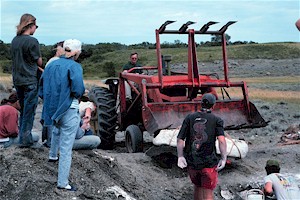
235,148
166,137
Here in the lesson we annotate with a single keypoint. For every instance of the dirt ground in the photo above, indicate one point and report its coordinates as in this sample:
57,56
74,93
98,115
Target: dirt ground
116,174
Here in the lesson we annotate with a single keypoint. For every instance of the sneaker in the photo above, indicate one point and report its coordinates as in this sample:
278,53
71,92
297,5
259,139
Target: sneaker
68,188
30,145
52,159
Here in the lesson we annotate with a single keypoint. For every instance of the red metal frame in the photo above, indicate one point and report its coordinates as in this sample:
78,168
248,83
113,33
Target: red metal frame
165,111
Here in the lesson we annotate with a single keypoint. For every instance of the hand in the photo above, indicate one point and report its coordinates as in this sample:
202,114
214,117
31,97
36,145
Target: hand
41,69
221,164
86,119
85,126
181,162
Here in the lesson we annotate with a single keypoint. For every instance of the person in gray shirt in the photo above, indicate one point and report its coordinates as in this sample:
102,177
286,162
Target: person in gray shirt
284,186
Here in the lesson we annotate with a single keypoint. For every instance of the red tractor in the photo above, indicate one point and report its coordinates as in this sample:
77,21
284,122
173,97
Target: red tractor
161,102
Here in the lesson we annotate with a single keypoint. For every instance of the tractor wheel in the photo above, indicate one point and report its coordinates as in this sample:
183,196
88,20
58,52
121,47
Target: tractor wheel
106,116
134,139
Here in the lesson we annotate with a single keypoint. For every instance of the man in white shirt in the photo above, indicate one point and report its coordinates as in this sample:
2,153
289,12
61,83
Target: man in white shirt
284,187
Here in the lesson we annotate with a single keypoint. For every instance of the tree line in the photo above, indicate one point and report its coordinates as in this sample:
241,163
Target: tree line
94,53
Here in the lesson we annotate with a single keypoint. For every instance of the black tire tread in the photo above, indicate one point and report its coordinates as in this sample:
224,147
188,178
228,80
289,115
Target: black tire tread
106,115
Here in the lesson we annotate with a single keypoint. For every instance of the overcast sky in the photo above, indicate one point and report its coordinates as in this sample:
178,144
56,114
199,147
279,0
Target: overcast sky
135,21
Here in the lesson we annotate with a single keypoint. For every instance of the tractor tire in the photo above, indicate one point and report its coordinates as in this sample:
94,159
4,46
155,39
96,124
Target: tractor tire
106,116
133,139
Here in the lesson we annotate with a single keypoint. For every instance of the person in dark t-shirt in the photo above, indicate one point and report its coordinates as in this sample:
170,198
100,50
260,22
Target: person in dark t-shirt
133,63
129,65
196,148
26,60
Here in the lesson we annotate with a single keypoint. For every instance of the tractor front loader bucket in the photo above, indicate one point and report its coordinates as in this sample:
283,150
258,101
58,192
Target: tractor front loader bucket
171,115
235,115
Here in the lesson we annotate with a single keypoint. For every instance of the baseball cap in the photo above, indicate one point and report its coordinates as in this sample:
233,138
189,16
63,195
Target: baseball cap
274,163
72,45
208,100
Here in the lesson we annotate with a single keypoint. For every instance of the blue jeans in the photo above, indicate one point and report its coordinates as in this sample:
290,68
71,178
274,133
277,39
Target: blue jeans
28,98
62,140
87,142
15,140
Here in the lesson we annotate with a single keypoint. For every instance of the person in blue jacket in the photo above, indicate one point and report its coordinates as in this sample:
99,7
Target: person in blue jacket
61,86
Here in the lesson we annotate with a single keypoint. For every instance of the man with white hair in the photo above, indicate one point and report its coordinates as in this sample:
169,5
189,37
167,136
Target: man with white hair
61,86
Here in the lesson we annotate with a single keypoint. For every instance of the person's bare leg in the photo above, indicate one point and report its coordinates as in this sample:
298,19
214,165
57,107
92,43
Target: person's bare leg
207,194
197,193
201,193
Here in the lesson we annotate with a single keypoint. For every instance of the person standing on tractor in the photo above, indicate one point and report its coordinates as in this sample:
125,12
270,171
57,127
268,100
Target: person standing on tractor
133,62
197,151
129,65
61,87
26,60
284,187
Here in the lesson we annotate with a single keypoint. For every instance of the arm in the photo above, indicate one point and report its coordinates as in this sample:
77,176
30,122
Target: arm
268,188
223,151
36,53
180,146
41,89
223,147
40,63
87,116
181,160
76,77
180,143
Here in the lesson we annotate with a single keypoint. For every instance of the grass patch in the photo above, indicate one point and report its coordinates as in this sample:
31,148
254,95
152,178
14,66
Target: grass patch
275,96
280,79
147,57
267,94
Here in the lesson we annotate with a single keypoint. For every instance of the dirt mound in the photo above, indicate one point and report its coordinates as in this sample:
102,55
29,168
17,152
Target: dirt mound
98,174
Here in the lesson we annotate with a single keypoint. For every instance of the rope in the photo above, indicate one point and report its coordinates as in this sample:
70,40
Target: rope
174,134
233,144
